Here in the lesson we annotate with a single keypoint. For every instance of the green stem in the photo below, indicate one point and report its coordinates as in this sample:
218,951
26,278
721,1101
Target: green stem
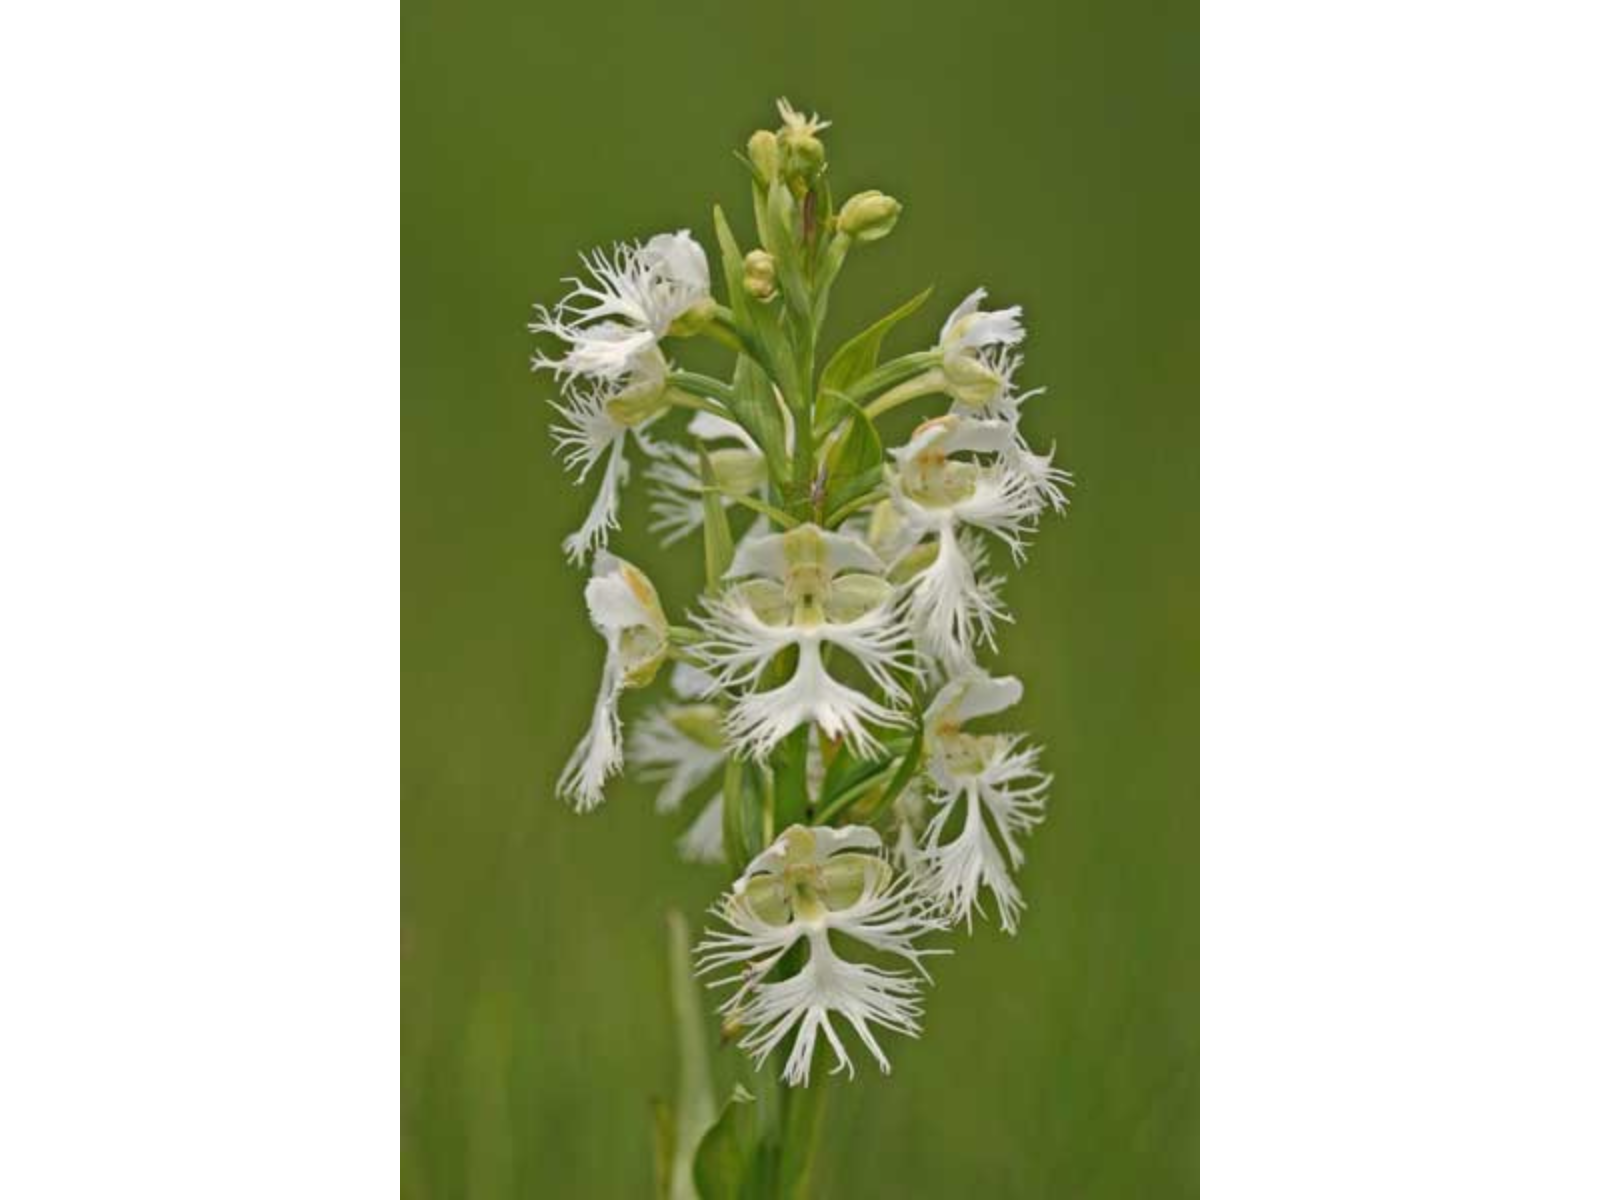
836,518
701,385
896,370
925,384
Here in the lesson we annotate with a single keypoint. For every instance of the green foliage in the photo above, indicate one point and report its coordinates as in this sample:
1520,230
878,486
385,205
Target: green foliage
854,359
680,1130
780,213
728,1152
718,537
741,811
854,462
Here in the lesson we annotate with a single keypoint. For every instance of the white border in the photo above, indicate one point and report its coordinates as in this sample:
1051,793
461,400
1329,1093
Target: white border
1401,600
199,620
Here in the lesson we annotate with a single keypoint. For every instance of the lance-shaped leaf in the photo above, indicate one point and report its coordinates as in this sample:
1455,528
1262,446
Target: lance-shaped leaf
755,407
719,538
854,462
854,359
741,812
684,1128
727,1152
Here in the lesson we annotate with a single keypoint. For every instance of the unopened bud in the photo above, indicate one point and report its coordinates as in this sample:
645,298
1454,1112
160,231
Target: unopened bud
765,155
760,274
868,216
803,155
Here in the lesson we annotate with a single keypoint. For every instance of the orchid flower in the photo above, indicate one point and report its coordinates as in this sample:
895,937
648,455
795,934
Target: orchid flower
805,588
980,781
808,885
625,610
953,606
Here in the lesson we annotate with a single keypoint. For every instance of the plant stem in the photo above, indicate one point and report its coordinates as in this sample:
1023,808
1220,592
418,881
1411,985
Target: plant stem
921,385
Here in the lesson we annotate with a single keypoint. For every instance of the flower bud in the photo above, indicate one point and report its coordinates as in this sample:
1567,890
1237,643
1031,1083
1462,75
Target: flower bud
765,155
694,319
760,274
868,216
803,153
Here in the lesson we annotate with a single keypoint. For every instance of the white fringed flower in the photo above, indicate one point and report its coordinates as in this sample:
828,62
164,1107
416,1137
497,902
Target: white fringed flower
810,884
980,363
625,610
633,299
987,784
805,588
953,605
613,373
597,415
740,469
680,747
972,343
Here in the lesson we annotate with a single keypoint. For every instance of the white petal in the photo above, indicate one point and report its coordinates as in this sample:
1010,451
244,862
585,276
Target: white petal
961,868
596,529
691,682
1005,503
668,756
702,841
614,600
598,755
965,308
760,720
709,427
974,695
953,610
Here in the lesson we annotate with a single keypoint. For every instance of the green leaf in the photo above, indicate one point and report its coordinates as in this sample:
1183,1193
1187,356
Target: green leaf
695,1108
741,812
727,1149
802,1121
846,770
857,357
755,408
789,779
791,266
718,537
732,267
854,462
908,768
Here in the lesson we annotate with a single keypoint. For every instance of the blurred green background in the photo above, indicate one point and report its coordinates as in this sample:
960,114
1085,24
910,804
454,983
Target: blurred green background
1048,150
